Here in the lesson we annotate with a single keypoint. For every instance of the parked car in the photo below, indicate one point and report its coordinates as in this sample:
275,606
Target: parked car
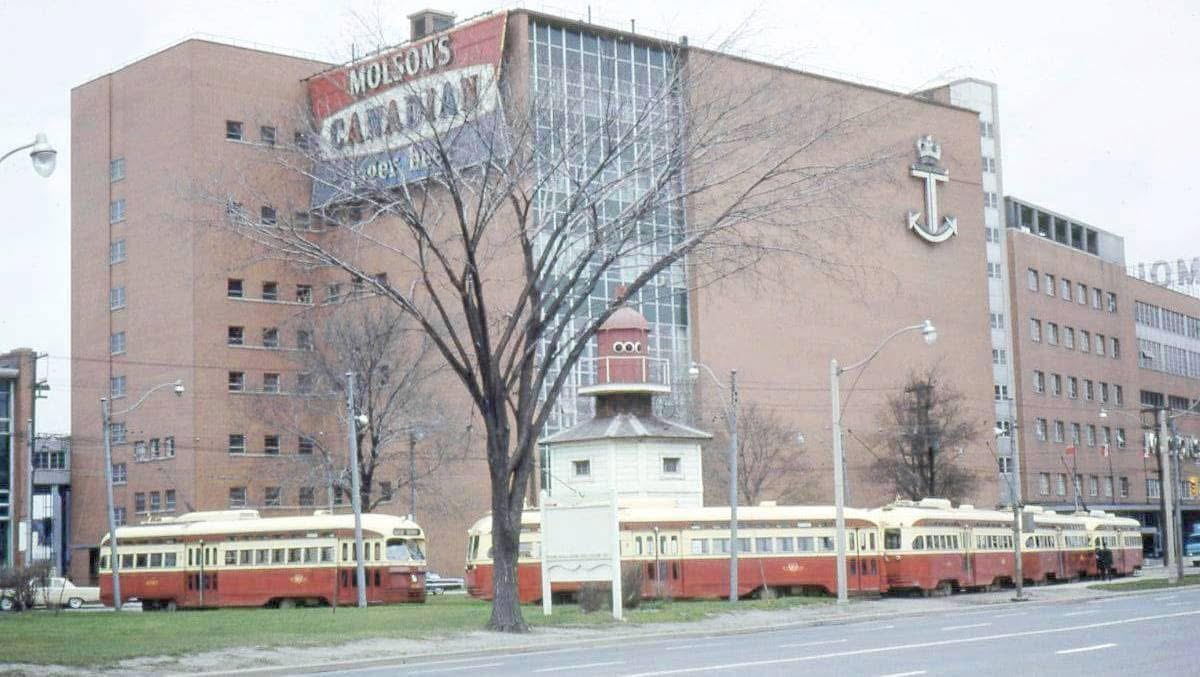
57,591
1191,549
436,585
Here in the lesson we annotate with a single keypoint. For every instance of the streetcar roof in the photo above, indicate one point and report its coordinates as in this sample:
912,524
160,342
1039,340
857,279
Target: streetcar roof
633,514
226,522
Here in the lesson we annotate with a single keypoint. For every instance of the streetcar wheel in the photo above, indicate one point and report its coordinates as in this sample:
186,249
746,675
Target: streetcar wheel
287,604
170,606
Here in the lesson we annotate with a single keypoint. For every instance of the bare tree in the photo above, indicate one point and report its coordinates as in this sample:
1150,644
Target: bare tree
769,460
922,433
511,238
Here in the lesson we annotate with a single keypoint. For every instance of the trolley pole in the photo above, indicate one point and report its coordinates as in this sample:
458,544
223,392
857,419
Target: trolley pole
114,562
733,487
360,571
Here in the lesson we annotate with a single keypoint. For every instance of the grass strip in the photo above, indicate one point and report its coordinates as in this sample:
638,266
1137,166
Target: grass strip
1145,584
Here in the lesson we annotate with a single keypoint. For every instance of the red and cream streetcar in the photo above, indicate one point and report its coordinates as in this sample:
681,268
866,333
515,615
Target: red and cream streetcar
237,558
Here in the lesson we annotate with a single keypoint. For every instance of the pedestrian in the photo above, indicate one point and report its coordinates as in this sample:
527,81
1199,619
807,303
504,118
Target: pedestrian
1105,561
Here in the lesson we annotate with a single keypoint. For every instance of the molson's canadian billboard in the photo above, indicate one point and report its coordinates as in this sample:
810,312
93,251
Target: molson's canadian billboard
381,117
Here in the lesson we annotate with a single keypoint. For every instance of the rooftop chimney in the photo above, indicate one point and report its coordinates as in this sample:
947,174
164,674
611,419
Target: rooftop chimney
428,21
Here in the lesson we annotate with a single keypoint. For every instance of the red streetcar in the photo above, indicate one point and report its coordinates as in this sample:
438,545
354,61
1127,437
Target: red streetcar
236,558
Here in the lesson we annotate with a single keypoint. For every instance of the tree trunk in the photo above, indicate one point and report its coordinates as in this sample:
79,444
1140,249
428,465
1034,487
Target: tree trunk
506,536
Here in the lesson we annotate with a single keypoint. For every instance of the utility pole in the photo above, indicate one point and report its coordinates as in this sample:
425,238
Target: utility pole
839,480
360,571
412,473
1167,492
1018,563
114,562
733,486
29,492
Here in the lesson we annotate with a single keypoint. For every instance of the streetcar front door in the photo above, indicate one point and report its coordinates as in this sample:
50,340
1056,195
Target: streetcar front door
968,557
864,574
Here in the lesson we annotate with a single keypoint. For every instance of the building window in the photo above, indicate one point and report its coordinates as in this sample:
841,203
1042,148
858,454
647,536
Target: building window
1060,431
1103,393
271,497
999,356
1064,287
1031,279
1121,438
304,339
308,497
1005,428
237,381
119,515
270,383
237,443
1099,343
671,466
139,502
155,448
304,293
994,270
1056,385
1124,487
169,495
1114,348
305,446
1081,294
1097,299
116,343
1085,341
1072,387
119,473
339,495
1069,338
116,170
1093,485
237,497
997,320
116,433
235,336
267,216
116,251
385,491
1039,382
302,221
1112,302
1044,483
1035,330
116,210
233,288
986,129
270,291
1089,389
1108,487
155,501
139,450
1091,435
1060,484
582,468
304,383
1049,284
1076,434
271,445
116,387
1153,488
1040,429
270,337
233,130
1006,464
169,446
266,134
1052,333
989,164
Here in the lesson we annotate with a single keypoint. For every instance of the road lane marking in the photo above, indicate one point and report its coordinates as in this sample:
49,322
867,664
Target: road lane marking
1094,647
1176,603
1010,614
459,668
905,674
820,643
688,646
919,645
580,666
1084,613
965,627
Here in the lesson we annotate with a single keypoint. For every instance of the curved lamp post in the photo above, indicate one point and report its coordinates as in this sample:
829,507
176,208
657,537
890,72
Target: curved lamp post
41,153
839,476
106,416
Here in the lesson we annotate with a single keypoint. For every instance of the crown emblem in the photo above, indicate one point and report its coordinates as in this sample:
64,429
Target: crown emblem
928,150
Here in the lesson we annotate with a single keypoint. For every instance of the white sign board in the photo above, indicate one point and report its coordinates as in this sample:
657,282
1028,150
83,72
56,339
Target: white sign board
580,543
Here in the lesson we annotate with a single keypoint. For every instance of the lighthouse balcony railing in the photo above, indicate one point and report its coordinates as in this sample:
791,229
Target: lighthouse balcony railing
632,369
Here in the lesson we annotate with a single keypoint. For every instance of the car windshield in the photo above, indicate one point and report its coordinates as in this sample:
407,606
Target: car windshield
402,549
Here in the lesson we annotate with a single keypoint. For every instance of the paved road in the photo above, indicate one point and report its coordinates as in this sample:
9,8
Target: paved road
1132,635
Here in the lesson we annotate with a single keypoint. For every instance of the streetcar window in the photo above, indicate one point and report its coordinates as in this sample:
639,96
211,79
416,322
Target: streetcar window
764,544
262,556
141,560
169,559
638,541
327,553
853,566
674,545
310,554
1029,542
367,552
954,542
190,551
278,556
804,543
891,539
472,548
918,543
850,542
785,544
871,537
156,559
827,543
699,546
377,547
103,561
345,552
231,557
294,555
720,545
245,557
525,549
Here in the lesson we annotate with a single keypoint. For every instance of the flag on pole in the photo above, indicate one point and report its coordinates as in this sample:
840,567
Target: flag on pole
1104,450
1071,450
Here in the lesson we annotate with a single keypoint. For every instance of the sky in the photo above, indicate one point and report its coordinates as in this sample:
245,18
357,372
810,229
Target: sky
1097,101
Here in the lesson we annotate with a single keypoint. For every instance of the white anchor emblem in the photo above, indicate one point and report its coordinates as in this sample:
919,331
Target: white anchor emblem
929,153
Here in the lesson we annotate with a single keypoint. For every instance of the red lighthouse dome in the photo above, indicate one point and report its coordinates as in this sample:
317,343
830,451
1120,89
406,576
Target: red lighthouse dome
623,363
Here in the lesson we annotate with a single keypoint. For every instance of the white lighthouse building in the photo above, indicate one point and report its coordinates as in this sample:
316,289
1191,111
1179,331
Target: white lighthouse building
625,445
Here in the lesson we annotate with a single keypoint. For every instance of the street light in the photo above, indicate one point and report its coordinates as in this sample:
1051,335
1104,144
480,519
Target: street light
929,332
731,419
41,153
352,423
106,416
1015,487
